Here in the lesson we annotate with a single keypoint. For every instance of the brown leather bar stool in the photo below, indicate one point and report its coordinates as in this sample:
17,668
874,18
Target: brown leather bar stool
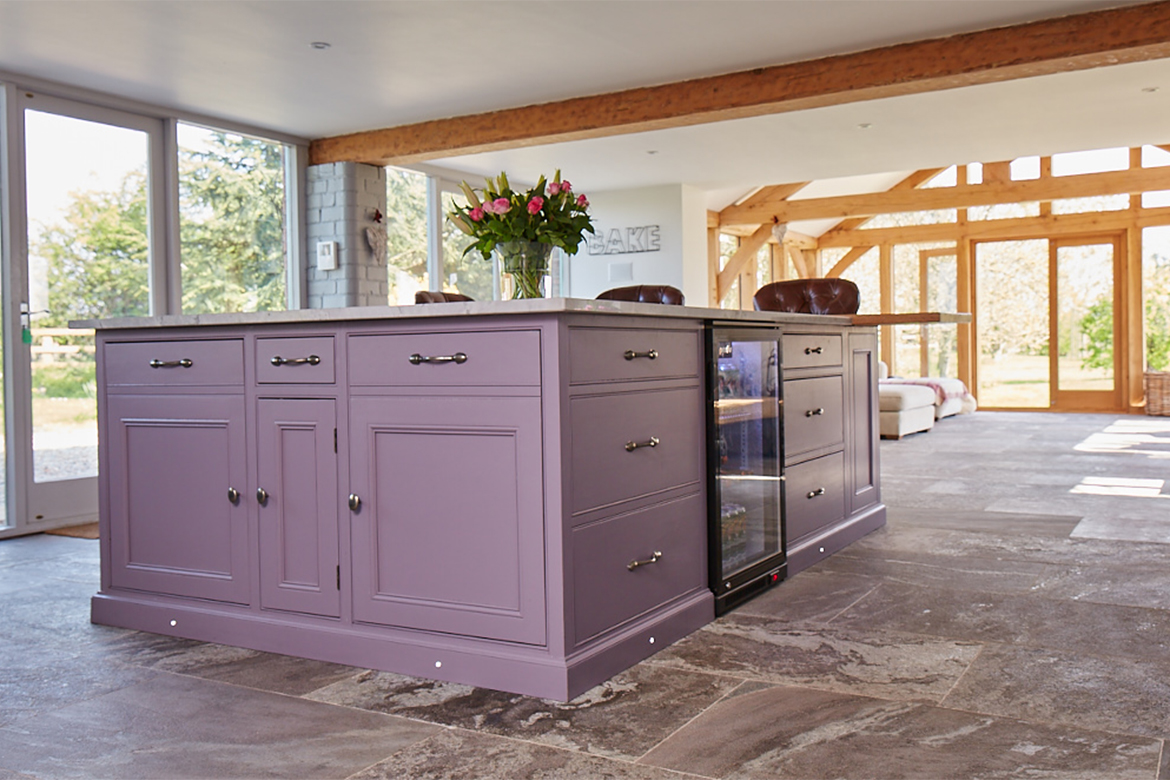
645,293
429,296
809,296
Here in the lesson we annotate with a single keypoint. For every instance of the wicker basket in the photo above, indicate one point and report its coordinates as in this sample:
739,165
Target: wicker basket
1158,392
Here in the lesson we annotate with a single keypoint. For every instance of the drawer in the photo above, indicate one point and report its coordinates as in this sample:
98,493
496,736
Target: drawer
295,360
813,414
175,363
814,496
607,469
606,592
631,354
811,350
496,358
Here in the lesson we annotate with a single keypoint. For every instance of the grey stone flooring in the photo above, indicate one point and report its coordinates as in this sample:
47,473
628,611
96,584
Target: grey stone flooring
1011,621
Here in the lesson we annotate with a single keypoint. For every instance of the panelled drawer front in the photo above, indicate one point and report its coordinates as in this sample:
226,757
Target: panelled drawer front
605,471
499,358
606,592
295,360
811,350
812,414
599,354
814,495
179,363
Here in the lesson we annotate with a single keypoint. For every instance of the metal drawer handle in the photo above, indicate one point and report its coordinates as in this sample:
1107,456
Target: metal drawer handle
355,502
813,350
633,445
262,496
458,357
815,493
631,354
184,363
311,360
657,556
233,495
815,412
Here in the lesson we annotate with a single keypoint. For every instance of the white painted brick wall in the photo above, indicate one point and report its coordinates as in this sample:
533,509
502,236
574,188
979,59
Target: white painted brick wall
341,205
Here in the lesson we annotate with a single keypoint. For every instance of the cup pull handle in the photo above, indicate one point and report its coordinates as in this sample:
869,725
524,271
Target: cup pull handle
458,357
653,441
652,559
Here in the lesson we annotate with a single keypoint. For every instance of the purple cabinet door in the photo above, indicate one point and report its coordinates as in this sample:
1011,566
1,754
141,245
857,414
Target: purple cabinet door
864,465
178,513
449,535
297,470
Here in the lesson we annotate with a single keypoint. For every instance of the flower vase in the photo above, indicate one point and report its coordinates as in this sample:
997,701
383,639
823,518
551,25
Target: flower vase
527,263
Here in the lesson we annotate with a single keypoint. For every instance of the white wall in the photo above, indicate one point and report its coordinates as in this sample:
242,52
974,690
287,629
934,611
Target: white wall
649,235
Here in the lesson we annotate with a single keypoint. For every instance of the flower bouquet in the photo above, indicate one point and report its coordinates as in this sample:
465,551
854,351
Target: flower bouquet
523,227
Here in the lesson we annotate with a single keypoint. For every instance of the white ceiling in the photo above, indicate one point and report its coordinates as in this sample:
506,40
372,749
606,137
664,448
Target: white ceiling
393,62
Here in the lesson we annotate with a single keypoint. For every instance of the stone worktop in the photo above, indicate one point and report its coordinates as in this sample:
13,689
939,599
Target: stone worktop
463,309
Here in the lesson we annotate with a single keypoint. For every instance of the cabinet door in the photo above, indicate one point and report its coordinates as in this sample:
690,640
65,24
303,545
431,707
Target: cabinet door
862,441
174,526
450,533
297,470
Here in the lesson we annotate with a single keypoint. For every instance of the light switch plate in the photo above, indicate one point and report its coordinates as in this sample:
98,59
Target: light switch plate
326,255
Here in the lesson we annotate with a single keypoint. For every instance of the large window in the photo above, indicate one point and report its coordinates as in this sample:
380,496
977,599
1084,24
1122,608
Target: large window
406,234
231,222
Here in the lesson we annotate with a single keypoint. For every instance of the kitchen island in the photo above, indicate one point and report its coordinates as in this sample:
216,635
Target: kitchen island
511,495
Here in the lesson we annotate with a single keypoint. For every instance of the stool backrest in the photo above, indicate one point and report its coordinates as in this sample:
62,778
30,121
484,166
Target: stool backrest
809,296
429,296
645,293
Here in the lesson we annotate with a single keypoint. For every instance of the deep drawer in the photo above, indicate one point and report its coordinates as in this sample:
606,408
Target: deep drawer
499,358
175,363
600,354
811,350
607,467
812,414
814,496
295,360
606,592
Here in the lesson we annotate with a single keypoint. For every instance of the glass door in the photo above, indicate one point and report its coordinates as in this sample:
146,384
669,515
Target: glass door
88,230
747,455
1083,330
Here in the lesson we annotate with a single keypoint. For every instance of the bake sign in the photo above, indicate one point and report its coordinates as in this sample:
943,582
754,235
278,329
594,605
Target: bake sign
625,241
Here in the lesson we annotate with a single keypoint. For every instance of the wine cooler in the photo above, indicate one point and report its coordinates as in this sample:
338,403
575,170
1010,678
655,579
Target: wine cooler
746,453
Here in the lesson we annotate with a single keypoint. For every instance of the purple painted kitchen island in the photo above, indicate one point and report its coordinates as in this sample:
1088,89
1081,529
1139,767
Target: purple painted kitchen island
448,491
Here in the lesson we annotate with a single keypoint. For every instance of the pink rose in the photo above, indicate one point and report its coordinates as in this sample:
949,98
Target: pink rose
554,188
476,214
582,201
565,186
497,206
535,205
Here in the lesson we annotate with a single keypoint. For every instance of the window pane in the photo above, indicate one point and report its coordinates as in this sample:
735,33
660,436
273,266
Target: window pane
406,234
88,259
1156,291
469,274
231,222
1011,293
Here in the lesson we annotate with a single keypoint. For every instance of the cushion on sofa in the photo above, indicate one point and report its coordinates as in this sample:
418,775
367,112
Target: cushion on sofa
895,398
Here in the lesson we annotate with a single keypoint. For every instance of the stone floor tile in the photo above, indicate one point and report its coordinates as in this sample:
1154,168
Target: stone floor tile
622,718
1057,526
929,570
237,665
813,596
873,663
456,753
1092,629
1049,686
1125,529
179,727
784,732
1135,585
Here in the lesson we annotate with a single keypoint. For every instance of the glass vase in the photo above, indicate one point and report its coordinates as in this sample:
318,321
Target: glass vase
526,262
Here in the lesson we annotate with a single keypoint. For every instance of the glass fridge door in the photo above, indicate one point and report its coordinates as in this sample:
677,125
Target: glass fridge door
749,451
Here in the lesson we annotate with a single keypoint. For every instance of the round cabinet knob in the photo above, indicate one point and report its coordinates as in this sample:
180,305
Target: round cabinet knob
233,495
262,496
355,502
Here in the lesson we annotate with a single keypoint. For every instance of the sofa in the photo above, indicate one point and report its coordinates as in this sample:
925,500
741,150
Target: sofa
911,404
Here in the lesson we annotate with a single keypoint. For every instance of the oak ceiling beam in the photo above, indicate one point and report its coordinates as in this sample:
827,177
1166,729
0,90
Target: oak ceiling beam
963,196
1069,43
913,181
748,247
